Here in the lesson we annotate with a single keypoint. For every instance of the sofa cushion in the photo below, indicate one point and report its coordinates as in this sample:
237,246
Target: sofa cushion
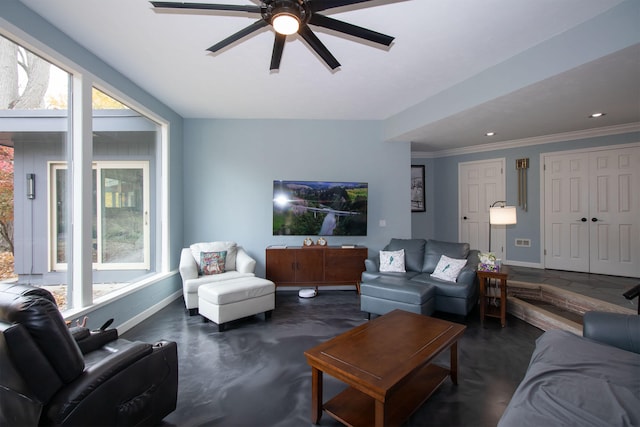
370,275
448,268
398,289
212,262
461,289
192,285
48,330
392,261
413,252
236,290
230,247
575,381
434,249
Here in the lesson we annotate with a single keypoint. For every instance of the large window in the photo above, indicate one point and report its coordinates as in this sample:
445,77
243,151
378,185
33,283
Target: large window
59,225
33,129
120,231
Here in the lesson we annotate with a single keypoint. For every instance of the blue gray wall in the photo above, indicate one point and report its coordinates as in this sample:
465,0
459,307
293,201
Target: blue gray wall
230,166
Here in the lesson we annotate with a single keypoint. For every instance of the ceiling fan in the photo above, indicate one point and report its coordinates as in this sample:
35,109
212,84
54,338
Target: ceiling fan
288,17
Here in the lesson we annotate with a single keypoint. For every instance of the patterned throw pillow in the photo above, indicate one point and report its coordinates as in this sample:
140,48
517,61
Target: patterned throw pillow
212,262
392,261
448,268
218,246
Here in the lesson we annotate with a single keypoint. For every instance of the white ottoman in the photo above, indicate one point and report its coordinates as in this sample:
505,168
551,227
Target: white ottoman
234,299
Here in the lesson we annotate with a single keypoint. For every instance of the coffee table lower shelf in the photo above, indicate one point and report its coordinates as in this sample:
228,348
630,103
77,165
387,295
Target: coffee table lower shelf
356,409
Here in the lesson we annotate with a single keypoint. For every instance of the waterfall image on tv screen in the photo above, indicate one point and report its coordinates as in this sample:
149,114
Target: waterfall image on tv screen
319,208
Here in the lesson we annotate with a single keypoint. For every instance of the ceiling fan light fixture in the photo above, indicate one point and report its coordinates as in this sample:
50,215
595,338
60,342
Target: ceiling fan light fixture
285,23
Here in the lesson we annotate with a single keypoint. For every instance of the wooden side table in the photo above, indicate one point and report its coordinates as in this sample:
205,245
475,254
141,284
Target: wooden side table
486,308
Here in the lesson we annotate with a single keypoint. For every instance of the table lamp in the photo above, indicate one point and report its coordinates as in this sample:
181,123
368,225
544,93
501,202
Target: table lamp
501,214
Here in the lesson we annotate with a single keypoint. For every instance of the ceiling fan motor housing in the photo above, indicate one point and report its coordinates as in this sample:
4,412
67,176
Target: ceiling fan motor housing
297,8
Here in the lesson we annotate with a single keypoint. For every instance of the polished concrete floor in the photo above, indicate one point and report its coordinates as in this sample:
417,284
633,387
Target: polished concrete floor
255,373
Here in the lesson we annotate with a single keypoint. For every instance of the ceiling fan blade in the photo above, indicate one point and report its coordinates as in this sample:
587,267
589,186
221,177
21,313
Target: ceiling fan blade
317,45
206,6
237,36
353,30
319,5
278,47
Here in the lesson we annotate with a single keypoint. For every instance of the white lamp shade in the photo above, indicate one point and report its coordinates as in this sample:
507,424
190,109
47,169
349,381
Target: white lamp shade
285,23
502,215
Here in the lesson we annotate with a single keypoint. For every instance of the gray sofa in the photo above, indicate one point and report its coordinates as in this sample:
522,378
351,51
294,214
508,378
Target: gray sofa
593,380
415,290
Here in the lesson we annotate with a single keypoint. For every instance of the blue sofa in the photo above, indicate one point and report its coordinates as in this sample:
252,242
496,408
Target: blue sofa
593,380
415,290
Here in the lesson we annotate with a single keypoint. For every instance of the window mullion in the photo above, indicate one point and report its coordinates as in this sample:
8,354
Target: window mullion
82,154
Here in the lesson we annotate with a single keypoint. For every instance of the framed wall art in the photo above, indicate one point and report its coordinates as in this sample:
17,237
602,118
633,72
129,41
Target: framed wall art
417,189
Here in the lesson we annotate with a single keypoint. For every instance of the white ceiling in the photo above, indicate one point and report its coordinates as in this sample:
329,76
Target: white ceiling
438,45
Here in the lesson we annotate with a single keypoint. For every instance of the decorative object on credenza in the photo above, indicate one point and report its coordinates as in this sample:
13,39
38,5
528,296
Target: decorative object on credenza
322,241
288,17
521,166
307,242
501,215
417,189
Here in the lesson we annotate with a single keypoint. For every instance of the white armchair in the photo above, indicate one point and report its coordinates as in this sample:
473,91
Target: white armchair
237,264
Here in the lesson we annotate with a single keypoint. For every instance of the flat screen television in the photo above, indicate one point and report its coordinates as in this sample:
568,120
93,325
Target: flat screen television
319,208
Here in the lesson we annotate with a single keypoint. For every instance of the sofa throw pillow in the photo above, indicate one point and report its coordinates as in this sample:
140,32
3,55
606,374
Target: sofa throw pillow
448,268
230,247
392,261
212,262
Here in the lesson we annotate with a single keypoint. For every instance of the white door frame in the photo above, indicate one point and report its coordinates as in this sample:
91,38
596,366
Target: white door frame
542,186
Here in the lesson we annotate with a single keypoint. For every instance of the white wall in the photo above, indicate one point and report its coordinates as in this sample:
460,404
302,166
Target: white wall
230,166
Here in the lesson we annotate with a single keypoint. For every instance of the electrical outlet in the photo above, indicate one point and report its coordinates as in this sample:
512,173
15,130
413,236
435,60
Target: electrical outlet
524,243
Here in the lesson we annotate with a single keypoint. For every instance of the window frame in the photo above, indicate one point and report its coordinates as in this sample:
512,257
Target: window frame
52,217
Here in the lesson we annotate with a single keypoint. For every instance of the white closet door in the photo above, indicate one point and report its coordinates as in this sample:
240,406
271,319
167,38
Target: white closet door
566,202
479,185
592,211
615,212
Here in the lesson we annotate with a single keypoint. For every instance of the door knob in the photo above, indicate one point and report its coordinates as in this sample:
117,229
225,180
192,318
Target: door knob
464,217
583,219
594,219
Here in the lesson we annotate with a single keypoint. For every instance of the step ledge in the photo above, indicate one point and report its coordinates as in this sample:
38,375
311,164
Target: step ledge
544,319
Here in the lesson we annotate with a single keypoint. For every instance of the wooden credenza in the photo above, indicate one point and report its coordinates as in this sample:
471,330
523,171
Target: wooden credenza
315,265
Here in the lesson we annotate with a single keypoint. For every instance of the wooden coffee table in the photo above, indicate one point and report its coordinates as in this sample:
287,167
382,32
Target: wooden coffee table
387,364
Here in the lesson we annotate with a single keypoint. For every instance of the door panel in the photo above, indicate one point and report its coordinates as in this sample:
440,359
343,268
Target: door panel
480,185
567,226
616,210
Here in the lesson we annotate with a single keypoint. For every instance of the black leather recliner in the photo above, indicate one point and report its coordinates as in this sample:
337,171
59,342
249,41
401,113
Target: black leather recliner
45,379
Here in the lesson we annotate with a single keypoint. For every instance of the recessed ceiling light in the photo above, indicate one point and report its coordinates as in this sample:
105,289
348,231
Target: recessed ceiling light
596,115
490,134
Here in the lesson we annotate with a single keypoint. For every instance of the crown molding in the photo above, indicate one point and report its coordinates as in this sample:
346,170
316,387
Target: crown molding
537,140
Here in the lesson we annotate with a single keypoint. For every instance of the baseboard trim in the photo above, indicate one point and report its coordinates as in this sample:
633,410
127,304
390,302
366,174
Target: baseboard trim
525,264
124,327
